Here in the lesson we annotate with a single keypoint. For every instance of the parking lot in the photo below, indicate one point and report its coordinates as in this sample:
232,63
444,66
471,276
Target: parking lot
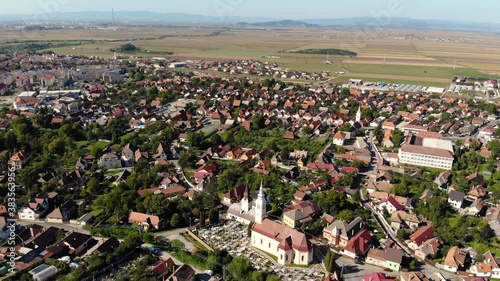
233,237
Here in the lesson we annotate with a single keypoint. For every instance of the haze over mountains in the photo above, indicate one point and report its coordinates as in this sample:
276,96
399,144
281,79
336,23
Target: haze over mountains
145,17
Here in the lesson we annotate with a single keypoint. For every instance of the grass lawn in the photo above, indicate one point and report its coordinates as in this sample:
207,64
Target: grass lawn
196,243
113,173
96,213
188,258
413,70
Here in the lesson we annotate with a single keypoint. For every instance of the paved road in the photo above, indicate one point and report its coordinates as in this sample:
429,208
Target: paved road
65,226
176,235
427,269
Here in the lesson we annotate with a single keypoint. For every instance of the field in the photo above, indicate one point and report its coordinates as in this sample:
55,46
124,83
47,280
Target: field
433,58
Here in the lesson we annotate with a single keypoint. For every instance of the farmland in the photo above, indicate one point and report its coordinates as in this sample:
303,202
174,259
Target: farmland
388,56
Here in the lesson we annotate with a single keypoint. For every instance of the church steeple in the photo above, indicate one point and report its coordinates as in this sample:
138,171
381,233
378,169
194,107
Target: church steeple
358,114
245,202
260,205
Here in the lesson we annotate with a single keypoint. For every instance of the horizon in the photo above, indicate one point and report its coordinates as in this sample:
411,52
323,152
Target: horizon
446,10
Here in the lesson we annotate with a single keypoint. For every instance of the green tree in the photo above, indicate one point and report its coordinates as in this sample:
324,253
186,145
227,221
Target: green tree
330,262
397,137
258,122
346,215
175,220
239,269
194,139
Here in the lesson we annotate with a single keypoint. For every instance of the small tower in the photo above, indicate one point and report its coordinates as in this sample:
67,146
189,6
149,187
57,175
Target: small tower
260,206
245,202
358,115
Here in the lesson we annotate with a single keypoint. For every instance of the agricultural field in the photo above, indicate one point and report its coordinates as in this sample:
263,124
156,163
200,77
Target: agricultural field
384,57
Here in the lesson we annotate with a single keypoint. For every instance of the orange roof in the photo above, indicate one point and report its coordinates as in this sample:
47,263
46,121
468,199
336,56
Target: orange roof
287,236
135,217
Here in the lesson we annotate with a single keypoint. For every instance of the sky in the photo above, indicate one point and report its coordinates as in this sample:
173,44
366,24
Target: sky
462,10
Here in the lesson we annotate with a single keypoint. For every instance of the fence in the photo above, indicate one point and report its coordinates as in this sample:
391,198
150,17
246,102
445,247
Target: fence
200,241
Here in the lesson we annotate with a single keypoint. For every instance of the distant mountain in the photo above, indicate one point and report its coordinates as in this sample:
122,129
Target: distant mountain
140,17
403,23
283,23
132,17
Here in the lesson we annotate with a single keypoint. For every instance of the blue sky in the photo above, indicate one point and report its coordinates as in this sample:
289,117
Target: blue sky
464,10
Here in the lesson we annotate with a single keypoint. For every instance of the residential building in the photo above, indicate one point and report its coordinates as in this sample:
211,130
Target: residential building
420,236
18,160
339,232
145,221
489,267
77,243
376,277
127,153
402,219
294,218
430,248
393,259
339,138
64,213
287,244
359,245
413,276
456,199
184,273
110,161
456,259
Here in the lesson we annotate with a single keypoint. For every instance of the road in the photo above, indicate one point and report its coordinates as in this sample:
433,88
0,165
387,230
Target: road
65,226
426,268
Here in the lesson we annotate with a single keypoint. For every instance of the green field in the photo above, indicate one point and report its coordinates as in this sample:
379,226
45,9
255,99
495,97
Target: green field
407,60
413,70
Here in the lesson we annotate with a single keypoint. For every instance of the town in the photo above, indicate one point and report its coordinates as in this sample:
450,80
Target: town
142,164
242,176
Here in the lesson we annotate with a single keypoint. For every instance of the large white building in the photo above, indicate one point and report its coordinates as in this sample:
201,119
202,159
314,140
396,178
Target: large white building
286,243
247,211
427,152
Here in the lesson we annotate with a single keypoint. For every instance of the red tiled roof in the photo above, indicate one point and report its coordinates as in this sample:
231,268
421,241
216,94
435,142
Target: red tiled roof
279,232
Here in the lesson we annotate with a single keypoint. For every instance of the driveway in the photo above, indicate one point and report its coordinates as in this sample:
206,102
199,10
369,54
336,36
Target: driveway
176,235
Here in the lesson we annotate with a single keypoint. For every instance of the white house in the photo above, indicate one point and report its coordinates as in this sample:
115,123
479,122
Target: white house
110,161
286,243
456,199
339,138
27,213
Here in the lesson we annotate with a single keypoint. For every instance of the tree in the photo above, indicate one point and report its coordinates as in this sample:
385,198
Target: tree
330,262
397,137
487,232
175,220
494,146
216,140
258,122
239,269
346,215
194,139
57,146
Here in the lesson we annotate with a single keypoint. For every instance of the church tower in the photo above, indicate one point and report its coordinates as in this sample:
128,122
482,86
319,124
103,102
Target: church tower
358,115
260,206
245,202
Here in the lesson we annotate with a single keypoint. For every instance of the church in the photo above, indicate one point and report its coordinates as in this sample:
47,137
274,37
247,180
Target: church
273,237
285,243
247,210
